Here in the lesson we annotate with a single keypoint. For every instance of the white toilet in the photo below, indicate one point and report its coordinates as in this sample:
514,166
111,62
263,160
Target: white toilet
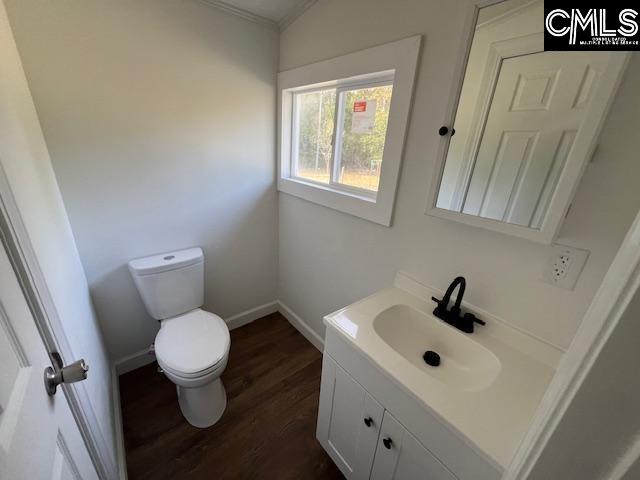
192,346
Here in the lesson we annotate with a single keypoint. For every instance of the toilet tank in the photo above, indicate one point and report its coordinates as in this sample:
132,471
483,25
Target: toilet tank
171,283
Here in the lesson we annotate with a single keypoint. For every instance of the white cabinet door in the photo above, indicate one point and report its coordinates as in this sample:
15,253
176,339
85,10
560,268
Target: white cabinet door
399,456
349,421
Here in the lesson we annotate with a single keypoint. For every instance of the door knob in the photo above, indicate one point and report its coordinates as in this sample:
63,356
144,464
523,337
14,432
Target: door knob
72,373
368,421
387,443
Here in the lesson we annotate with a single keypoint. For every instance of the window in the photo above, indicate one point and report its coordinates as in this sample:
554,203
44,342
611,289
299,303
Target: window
313,124
339,135
342,128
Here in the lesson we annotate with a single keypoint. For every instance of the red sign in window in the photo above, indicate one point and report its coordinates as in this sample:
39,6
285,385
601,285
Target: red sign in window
360,106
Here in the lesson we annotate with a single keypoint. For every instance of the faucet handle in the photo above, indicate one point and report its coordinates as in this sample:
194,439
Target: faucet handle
474,319
440,303
471,318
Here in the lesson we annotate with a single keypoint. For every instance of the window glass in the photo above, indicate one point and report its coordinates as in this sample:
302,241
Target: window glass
364,115
351,156
313,143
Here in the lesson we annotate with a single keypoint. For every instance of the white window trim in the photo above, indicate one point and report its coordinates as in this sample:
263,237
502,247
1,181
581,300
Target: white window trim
399,59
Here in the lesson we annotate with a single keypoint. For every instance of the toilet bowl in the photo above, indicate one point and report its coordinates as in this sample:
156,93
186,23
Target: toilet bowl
192,349
192,345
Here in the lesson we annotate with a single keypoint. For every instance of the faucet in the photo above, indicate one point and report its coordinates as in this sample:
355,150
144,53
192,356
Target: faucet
464,323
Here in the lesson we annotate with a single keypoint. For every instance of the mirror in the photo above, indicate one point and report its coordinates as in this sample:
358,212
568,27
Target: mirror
525,124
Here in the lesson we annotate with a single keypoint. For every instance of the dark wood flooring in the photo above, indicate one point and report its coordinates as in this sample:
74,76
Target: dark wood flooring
267,430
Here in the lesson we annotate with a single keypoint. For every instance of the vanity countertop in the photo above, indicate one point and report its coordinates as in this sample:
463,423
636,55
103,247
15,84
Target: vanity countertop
494,418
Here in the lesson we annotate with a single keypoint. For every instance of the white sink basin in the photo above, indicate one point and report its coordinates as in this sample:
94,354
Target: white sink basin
464,363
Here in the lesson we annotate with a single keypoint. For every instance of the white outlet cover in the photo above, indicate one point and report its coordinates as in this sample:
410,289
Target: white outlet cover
564,266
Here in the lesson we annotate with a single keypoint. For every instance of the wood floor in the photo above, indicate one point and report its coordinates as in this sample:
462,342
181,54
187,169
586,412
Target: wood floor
267,431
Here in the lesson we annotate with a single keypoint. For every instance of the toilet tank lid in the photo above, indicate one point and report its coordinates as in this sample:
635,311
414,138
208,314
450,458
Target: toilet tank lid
166,261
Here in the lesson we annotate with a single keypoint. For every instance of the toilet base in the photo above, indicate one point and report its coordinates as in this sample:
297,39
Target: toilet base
203,406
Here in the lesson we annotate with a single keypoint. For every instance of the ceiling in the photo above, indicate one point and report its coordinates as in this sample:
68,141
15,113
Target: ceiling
278,13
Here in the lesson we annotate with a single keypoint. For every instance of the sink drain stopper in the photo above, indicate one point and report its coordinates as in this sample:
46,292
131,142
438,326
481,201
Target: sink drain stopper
431,358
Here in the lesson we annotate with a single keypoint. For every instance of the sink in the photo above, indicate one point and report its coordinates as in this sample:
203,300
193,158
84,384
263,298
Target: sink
484,390
464,363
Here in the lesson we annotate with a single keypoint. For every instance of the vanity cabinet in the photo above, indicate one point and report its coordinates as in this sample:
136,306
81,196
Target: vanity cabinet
372,429
400,456
349,421
363,439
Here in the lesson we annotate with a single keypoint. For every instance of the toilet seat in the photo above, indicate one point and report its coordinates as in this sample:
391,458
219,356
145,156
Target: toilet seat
193,345
178,376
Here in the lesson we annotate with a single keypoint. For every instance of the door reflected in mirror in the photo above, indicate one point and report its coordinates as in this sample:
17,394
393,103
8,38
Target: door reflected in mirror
519,117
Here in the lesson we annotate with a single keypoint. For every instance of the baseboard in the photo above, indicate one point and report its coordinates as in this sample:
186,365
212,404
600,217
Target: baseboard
120,367
117,423
133,361
248,316
302,326
143,357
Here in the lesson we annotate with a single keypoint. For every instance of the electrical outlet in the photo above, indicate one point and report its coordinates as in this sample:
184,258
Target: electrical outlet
564,266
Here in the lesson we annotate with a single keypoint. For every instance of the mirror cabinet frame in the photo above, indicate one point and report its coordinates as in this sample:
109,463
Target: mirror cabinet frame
576,162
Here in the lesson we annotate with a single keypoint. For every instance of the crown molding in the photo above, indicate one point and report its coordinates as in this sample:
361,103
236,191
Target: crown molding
241,12
259,19
507,15
293,15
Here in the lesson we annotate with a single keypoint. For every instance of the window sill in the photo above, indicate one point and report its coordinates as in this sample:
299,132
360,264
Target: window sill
363,206
361,194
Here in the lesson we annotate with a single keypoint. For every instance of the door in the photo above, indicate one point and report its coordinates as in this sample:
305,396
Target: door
39,438
349,421
399,456
539,103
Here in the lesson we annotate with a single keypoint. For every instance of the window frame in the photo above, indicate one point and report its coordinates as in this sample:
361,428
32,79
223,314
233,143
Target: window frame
390,64
383,79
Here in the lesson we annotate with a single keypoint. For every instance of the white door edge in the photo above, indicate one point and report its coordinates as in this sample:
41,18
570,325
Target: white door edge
23,259
618,287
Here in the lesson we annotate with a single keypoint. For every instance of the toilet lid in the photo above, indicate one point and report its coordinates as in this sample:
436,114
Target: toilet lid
192,342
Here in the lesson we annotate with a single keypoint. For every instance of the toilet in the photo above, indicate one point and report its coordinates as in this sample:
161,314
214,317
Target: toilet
192,346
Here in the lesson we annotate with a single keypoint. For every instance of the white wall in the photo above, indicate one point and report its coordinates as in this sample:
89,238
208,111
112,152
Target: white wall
25,159
600,432
160,119
328,259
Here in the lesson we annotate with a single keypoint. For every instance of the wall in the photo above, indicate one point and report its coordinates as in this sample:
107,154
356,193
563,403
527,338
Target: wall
598,438
159,116
25,159
328,259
